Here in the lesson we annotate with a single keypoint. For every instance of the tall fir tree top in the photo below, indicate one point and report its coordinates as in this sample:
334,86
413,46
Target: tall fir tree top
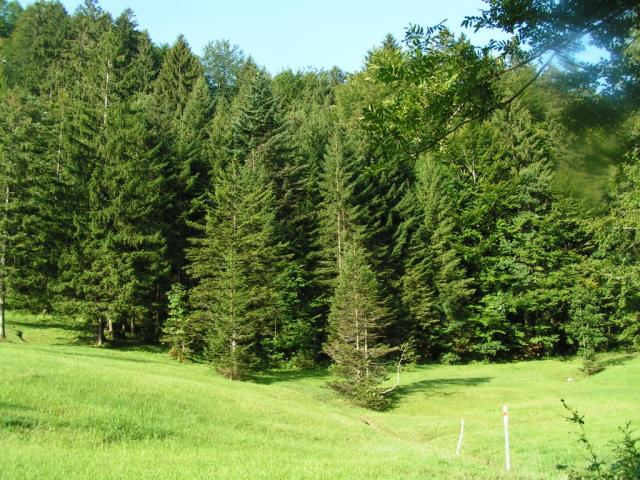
178,75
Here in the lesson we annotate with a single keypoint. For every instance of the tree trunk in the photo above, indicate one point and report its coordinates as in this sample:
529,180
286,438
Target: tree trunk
3,333
100,339
3,262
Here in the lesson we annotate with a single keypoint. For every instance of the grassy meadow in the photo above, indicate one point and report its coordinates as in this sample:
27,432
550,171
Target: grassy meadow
69,410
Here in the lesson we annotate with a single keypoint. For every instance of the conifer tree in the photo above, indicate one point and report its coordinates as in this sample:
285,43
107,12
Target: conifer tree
356,322
26,256
34,51
235,299
340,213
185,107
115,149
261,133
176,331
179,73
144,65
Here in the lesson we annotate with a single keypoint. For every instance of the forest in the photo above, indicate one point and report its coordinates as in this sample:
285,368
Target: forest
448,202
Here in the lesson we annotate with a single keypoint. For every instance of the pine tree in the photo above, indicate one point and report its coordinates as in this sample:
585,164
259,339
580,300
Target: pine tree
179,73
176,331
356,322
185,107
340,213
26,254
233,262
114,148
34,51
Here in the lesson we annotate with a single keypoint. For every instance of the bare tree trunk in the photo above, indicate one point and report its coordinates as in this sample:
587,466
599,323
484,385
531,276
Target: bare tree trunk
3,262
3,333
100,339
366,347
109,325
106,92
339,238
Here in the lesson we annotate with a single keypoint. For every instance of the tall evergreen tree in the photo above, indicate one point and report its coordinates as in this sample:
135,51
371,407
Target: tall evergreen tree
185,106
234,299
179,73
356,322
26,256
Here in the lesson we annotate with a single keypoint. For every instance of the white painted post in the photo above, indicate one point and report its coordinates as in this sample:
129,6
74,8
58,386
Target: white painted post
505,417
459,447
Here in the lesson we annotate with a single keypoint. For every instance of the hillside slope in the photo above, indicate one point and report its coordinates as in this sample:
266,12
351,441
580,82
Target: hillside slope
74,412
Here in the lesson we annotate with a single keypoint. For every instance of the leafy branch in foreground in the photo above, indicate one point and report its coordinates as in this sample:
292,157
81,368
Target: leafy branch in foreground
625,464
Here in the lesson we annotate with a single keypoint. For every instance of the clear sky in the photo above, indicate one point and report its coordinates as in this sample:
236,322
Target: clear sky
296,33
290,33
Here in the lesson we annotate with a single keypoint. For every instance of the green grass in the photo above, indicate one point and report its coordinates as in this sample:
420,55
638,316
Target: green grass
72,411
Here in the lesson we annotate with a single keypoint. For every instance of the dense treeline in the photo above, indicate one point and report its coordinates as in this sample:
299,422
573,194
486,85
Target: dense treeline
428,204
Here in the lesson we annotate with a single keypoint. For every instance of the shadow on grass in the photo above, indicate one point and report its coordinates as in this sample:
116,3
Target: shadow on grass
436,386
13,406
134,345
442,383
269,377
45,324
620,360
102,353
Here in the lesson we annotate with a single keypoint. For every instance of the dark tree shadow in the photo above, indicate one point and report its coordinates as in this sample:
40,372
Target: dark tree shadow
437,386
13,406
134,345
621,360
97,353
269,377
46,324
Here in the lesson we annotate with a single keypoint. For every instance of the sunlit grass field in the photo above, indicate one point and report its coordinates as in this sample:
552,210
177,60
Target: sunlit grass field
74,411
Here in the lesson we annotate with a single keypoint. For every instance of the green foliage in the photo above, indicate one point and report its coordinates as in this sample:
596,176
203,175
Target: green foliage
176,327
223,64
625,464
356,321
9,13
448,165
27,252
233,262
561,27
436,85
177,77
33,53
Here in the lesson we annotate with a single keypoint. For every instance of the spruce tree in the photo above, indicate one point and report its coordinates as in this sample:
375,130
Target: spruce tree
185,108
179,73
356,322
26,252
261,134
176,331
114,149
235,298
341,212
32,54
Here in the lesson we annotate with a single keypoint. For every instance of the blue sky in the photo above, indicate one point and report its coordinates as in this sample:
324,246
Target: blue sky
292,33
